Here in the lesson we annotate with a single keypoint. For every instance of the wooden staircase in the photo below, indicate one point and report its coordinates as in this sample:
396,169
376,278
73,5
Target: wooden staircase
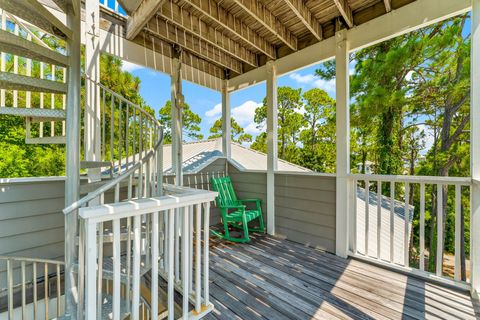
40,98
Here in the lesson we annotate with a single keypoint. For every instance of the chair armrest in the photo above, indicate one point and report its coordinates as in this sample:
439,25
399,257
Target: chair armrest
251,200
232,207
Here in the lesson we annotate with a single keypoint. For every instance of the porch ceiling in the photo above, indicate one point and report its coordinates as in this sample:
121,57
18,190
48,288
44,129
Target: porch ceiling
228,38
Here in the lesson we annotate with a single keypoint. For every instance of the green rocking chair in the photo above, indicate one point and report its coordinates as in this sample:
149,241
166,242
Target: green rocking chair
234,211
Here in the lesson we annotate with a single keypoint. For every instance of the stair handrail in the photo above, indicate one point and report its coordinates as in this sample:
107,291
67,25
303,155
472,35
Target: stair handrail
112,183
129,172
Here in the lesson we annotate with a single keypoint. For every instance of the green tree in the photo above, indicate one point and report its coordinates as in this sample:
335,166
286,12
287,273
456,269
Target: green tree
191,122
238,133
290,121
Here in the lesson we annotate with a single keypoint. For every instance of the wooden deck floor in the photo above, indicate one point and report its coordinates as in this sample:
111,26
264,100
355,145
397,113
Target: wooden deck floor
271,278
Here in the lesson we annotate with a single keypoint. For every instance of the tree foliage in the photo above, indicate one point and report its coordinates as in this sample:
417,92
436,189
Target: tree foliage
190,121
237,132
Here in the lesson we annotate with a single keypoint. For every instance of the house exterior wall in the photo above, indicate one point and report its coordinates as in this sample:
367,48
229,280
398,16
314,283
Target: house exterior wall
304,204
31,218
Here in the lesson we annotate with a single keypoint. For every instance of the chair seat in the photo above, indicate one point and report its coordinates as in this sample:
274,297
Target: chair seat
237,215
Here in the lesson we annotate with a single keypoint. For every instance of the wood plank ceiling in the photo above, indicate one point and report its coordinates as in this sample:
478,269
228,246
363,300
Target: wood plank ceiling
226,38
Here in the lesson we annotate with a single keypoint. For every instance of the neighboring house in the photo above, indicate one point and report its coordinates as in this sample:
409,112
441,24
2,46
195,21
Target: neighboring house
398,223
198,155
368,167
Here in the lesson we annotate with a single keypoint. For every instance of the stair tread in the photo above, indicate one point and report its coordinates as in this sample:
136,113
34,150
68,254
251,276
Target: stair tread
94,164
22,47
107,307
107,269
35,13
11,81
44,114
47,140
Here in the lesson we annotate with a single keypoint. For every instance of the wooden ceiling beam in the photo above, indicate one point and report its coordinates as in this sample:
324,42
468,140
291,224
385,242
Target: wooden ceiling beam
139,18
345,11
265,17
176,15
196,45
233,25
308,19
388,5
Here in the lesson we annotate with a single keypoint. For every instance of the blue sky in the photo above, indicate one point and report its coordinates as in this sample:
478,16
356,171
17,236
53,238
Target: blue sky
155,89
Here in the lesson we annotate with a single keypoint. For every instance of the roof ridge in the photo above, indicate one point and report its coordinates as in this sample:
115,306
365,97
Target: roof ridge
264,154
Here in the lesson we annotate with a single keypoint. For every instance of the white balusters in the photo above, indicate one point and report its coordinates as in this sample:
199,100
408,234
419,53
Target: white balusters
422,226
379,218
439,253
154,251
406,204
458,231
406,235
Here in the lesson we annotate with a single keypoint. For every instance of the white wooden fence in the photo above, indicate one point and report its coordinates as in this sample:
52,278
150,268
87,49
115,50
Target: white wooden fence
167,239
381,224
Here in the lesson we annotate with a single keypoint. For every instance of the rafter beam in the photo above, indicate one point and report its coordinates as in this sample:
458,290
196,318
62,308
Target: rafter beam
308,19
139,18
345,11
196,45
233,25
181,18
260,13
388,5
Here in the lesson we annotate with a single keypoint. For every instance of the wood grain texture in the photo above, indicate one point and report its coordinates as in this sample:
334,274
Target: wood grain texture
271,278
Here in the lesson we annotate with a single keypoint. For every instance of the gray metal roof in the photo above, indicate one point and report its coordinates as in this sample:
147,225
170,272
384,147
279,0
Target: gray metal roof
385,236
197,155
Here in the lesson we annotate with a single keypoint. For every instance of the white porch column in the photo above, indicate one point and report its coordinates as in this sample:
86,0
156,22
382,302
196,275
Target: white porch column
92,92
226,121
72,169
343,143
177,104
272,143
475,149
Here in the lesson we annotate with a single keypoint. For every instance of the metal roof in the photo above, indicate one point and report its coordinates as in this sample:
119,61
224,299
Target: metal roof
197,155
385,236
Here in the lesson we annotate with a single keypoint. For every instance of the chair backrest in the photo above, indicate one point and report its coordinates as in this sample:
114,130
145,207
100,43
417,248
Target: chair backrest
226,194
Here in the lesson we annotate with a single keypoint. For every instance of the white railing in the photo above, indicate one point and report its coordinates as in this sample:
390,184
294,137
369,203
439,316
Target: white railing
127,132
382,216
33,288
166,239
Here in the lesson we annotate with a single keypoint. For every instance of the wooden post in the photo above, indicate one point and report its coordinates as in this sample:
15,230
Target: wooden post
226,121
92,91
272,143
177,103
342,144
72,170
475,150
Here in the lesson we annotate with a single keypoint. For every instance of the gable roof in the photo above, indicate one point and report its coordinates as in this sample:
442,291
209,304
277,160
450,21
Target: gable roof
197,155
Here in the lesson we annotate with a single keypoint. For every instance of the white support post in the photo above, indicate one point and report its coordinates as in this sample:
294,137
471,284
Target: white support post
475,150
342,143
176,112
92,91
226,121
72,170
272,143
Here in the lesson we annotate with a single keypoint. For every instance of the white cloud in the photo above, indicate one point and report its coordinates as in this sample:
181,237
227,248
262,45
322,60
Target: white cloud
312,81
243,114
429,137
215,111
130,67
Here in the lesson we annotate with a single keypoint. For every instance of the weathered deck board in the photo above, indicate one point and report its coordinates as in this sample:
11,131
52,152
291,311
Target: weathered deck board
271,278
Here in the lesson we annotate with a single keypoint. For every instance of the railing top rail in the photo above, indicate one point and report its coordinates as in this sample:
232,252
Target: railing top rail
27,259
413,179
185,197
